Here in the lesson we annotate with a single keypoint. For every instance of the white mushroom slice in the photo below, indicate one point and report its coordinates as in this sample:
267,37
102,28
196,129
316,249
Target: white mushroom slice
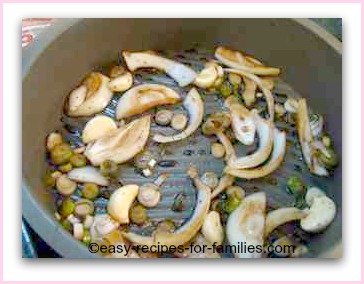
281,216
102,225
163,117
276,158
236,59
120,202
183,74
91,97
87,174
208,76
311,193
306,139
244,129
121,83
144,97
246,225
265,132
121,144
192,226
194,106
97,127
225,182
212,228
266,92
322,212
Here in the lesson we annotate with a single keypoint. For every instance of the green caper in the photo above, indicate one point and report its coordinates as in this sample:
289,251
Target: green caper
90,190
65,168
328,157
86,236
61,154
230,204
78,160
225,89
67,207
109,169
295,186
49,180
138,214
66,225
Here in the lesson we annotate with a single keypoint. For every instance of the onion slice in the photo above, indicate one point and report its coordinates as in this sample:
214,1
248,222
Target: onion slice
245,225
88,174
144,97
279,149
267,93
236,59
181,73
194,105
281,216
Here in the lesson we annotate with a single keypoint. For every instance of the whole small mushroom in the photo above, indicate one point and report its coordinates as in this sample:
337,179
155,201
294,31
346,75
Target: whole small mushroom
163,117
149,195
179,121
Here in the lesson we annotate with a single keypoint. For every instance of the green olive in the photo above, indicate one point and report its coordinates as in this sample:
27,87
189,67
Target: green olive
230,204
225,89
66,225
90,190
61,154
295,186
86,237
138,214
65,168
328,157
78,160
67,207
109,169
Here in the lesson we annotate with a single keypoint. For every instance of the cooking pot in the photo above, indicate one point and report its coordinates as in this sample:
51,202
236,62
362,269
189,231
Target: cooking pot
310,57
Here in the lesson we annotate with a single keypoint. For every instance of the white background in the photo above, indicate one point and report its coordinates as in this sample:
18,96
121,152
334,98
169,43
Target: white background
16,268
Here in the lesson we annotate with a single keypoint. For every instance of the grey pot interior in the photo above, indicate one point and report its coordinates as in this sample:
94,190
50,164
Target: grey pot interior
62,56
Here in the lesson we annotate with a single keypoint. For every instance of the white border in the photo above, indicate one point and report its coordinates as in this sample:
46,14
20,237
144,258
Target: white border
17,269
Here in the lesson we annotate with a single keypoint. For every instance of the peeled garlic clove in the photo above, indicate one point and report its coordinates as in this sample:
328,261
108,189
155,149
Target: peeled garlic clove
320,215
121,201
195,108
88,174
97,127
236,59
246,224
121,83
212,228
91,97
183,74
121,144
144,97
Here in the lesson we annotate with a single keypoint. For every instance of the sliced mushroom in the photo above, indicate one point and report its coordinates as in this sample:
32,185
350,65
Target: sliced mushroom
212,228
236,59
194,106
144,97
281,216
121,201
266,92
320,215
306,139
121,144
91,97
183,74
97,127
246,225
209,75
277,157
225,182
88,174
191,227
